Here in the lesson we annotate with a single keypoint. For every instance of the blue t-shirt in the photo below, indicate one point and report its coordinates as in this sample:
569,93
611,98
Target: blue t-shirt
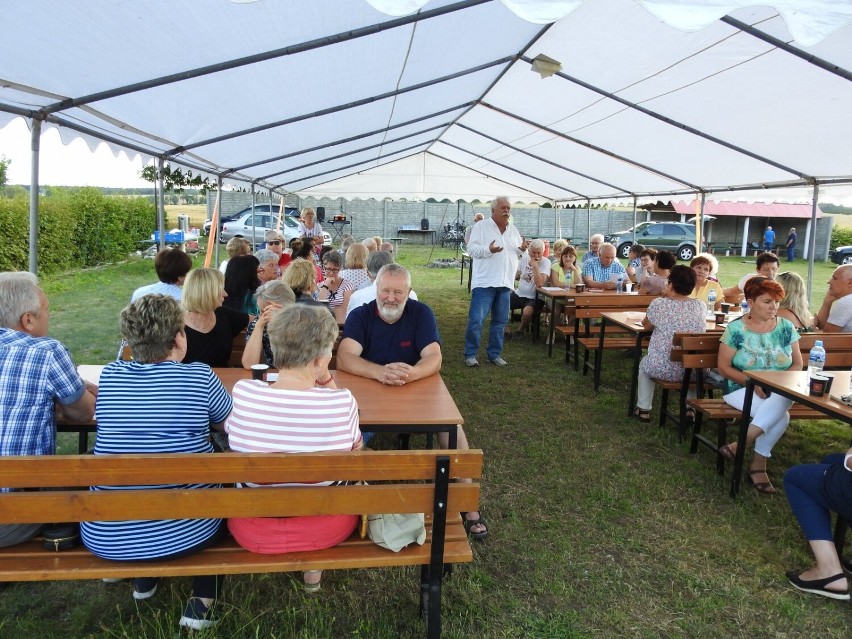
401,341
769,237
154,408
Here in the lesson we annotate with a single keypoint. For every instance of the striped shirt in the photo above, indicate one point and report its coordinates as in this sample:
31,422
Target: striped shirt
154,408
271,420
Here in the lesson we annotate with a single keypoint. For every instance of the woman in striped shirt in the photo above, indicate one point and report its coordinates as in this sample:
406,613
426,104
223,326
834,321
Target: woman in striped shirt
303,411
155,404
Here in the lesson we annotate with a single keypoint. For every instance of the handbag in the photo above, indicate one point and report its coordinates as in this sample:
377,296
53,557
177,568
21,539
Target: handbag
58,537
395,531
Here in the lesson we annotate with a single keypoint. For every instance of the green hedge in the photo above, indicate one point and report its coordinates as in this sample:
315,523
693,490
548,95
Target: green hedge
841,236
77,228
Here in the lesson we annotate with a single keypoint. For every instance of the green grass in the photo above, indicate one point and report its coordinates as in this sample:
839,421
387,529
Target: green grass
601,527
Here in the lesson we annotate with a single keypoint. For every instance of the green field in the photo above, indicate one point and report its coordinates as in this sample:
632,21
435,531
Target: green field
600,526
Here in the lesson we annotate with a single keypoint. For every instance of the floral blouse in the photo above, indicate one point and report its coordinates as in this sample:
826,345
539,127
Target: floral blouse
772,351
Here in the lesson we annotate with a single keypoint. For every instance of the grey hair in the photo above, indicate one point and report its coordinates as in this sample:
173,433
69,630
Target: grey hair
496,200
377,260
265,255
537,245
597,236
150,325
394,269
18,295
300,333
277,292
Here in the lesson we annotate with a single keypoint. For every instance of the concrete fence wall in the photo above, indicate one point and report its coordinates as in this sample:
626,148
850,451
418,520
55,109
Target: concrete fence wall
373,217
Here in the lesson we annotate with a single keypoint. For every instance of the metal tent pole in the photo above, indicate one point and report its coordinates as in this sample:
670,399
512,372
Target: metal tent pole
161,203
253,204
634,220
588,224
218,217
35,146
812,243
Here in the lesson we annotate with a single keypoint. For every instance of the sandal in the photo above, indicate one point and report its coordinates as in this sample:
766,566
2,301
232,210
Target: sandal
763,487
726,452
470,523
643,416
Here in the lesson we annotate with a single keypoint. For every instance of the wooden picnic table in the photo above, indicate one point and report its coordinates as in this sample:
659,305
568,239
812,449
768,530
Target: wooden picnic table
424,406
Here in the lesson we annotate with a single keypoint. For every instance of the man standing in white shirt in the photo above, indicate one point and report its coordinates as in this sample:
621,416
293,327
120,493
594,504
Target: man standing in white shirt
495,245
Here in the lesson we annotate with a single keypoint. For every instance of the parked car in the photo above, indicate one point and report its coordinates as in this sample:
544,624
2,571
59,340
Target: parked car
671,236
259,208
612,238
842,255
263,221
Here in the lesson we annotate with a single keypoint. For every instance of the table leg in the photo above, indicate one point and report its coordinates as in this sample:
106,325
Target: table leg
536,321
469,272
634,382
552,331
745,420
599,355
461,275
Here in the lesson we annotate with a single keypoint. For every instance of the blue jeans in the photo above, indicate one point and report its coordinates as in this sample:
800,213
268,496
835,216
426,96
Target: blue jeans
791,253
802,484
482,300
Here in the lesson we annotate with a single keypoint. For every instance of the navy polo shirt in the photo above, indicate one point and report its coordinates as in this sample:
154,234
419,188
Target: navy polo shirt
401,341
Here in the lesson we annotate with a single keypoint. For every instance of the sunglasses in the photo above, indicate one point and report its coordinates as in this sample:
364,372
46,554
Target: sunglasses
274,242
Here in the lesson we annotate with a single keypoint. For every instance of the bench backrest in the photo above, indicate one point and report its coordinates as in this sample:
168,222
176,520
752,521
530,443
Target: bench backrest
396,470
588,307
700,350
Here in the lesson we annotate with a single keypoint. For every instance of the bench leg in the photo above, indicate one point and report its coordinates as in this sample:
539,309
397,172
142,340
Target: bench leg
721,440
696,431
431,575
664,406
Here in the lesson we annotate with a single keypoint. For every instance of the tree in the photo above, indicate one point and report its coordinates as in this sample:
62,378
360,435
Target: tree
177,180
4,175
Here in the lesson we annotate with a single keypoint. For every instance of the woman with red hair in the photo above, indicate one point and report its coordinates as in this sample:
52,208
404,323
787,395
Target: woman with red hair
765,342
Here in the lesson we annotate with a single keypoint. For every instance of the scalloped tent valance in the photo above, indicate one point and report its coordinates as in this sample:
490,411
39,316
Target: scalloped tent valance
405,98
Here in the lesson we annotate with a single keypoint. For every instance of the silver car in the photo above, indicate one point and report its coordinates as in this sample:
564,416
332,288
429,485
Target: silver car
263,221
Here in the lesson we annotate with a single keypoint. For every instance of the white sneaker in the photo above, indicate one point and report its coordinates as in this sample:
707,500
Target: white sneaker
471,362
498,361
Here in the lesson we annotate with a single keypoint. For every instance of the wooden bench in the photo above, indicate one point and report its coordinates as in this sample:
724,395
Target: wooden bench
588,308
704,354
401,482
597,339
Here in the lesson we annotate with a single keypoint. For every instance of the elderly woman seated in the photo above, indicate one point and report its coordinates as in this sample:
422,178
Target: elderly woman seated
271,297
155,404
673,312
267,269
210,326
759,341
301,277
302,411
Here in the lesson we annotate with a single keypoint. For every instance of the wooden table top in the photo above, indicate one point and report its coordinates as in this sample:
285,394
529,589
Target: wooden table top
426,401
632,321
794,384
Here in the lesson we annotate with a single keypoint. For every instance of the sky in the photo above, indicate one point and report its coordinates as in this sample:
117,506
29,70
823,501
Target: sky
72,165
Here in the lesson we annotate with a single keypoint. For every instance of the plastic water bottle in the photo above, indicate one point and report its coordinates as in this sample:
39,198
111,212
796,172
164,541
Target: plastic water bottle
816,359
711,301
744,307
619,284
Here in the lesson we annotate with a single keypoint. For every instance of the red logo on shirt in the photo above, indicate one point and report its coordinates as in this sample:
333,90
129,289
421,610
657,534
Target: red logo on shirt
405,344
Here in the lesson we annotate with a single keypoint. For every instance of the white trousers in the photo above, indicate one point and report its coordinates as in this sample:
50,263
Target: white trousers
645,392
769,415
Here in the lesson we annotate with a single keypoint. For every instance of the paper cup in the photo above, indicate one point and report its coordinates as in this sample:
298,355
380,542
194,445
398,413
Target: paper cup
258,371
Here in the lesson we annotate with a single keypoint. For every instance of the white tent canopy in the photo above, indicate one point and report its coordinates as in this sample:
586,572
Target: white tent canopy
655,98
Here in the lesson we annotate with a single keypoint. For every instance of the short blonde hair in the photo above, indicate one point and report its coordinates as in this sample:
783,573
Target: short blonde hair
201,290
300,333
378,240
277,292
300,275
308,212
356,256
237,246
558,245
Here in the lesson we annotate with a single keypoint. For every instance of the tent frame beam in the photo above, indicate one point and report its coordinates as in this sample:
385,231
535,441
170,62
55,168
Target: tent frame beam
676,124
262,57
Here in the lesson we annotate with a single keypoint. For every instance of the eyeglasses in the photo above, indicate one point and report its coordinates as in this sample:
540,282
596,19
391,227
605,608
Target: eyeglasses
274,242
332,270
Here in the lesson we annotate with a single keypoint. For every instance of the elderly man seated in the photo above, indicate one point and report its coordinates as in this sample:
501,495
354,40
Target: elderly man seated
395,341
602,272
594,248
533,271
835,314
37,381
375,262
